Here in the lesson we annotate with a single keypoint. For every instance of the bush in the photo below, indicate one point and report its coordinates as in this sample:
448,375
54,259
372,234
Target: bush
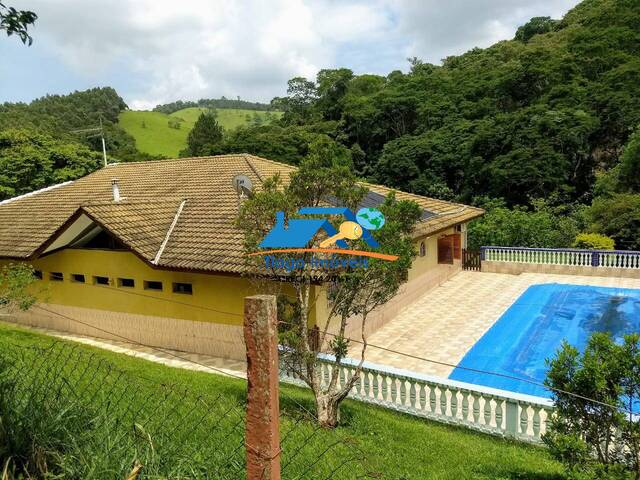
16,292
593,241
593,432
521,227
617,217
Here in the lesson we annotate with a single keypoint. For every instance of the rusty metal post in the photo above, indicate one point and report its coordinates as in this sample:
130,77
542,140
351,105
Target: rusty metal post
263,409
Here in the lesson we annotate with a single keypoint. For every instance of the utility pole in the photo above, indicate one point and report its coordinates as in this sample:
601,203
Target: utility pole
95,132
104,147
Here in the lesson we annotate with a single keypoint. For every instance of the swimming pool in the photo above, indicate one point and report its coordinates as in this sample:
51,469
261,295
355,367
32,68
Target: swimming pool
533,328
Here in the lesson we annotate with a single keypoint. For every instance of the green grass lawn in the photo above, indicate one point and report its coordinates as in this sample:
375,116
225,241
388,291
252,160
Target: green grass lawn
153,135
395,446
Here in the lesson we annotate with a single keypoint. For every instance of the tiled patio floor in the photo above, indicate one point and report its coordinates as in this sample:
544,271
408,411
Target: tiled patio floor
445,323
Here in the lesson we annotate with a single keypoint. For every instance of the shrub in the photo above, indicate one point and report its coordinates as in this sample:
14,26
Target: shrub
522,227
15,286
593,432
593,241
617,217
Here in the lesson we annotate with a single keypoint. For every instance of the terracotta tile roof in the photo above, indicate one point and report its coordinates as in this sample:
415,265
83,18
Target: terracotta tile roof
204,236
141,225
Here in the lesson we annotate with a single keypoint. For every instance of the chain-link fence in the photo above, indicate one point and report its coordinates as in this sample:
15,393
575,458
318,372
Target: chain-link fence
67,412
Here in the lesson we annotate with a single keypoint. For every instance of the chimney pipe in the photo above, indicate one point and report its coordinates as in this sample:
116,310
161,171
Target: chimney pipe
116,190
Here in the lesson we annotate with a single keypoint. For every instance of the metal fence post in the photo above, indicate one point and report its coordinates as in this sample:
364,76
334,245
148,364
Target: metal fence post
263,409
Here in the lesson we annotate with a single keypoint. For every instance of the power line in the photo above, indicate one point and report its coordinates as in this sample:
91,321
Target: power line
169,300
486,372
134,342
168,352
397,352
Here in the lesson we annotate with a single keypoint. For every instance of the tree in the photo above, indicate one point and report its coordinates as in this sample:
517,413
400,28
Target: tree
62,115
617,217
332,87
298,104
594,431
17,21
351,292
535,26
16,290
29,161
629,174
204,135
539,227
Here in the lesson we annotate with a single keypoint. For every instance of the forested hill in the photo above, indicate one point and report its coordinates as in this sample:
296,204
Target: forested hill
56,138
528,122
542,130
213,103
68,117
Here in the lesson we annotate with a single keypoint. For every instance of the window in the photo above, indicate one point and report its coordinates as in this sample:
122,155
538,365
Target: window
126,282
185,288
37,274
77,277
101,280
152,285
423,249
56,276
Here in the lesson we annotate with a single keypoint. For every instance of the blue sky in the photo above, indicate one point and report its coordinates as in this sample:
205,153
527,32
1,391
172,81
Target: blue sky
157,51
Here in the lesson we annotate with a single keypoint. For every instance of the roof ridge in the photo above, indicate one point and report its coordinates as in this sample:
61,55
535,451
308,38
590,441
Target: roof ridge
253,168
169,232
130,202
35,192
175,159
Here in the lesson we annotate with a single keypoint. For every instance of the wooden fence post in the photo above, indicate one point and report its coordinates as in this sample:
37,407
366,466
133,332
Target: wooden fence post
263,409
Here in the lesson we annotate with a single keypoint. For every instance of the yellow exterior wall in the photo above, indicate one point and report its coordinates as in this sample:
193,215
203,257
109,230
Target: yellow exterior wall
216,298
212,292
422,264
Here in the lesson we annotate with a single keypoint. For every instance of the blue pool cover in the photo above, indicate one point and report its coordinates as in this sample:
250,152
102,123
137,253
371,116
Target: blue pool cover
533,328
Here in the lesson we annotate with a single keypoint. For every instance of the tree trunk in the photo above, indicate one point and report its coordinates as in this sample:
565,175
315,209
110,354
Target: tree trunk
328,410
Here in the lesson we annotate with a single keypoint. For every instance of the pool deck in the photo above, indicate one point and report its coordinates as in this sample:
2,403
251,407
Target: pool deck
446,322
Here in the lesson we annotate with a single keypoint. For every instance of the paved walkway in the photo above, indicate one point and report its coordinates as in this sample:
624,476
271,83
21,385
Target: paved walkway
446,322
171,358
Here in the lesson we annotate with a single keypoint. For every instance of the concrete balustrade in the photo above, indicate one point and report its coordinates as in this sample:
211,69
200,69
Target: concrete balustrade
489,410
516,260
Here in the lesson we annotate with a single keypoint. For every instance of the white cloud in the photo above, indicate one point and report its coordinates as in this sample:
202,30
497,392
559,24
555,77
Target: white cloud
206,48
439,29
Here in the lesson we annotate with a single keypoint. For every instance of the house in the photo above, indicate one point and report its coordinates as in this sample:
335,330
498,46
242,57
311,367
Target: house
150,252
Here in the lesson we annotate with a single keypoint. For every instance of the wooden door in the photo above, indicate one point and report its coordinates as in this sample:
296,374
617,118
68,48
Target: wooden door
445,249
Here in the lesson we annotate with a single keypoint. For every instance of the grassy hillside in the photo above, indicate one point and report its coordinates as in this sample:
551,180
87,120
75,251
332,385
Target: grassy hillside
153,134
394,446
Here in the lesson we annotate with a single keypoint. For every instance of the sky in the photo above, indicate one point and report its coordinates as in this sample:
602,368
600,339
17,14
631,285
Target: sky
158,51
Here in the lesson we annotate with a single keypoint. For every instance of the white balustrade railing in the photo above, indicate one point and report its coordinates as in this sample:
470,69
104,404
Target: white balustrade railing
563,256
481,408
